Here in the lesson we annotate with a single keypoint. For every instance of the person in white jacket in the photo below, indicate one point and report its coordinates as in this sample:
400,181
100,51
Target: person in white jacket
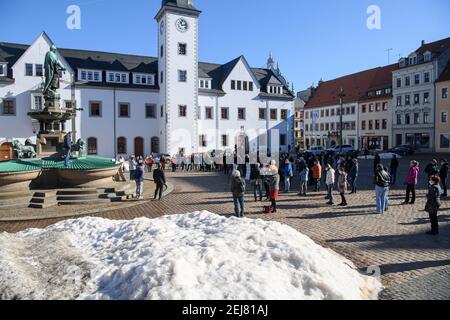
330,179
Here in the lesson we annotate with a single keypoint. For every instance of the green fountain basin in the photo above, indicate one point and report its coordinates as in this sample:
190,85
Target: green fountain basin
51,173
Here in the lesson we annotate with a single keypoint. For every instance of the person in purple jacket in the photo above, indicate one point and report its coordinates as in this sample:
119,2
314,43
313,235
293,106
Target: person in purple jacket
411,182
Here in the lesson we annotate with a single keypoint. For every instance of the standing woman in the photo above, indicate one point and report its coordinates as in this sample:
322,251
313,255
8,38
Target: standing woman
274,191
411,182
443,174
342,186
353,175
433,204
382,181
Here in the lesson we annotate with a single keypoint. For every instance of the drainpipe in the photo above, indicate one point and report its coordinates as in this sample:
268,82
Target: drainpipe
115,120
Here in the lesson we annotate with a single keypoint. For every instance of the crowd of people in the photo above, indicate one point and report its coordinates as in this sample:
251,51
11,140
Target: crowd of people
332,172
136,167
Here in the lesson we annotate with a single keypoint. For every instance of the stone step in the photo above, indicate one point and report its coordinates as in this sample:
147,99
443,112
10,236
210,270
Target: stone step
82,201
42,205
69,192
45,194
77,197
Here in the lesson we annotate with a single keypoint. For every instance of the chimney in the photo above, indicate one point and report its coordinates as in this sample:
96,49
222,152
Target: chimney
423,43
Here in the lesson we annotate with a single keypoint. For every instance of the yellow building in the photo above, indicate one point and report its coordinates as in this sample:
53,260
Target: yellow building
443,111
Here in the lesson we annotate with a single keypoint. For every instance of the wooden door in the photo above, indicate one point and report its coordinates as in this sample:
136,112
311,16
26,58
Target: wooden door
139,147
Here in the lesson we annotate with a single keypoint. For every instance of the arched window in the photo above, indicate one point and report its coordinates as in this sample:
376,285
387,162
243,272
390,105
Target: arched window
139,147
121,145
155,145
92,146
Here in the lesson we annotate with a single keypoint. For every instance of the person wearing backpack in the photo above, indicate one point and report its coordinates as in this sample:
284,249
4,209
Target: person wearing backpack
433,204
238,192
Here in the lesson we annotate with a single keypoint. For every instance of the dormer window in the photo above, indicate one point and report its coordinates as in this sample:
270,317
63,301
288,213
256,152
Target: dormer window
413,60
3,70
427,56
90,75
117,77
205,84
275,89
144,79
402,62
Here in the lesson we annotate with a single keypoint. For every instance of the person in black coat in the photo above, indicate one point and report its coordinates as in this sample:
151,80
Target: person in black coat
159,178
443,174
432,169
394,168
433,204
376,162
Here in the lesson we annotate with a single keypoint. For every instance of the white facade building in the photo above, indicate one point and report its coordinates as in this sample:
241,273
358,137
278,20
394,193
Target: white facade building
128,104
414,96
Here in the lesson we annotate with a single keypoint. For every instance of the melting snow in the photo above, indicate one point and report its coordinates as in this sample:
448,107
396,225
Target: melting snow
198,255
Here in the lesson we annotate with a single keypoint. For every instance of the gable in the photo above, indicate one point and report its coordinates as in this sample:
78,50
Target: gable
240,71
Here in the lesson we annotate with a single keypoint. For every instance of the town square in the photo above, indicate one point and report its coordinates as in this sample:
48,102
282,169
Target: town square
126,176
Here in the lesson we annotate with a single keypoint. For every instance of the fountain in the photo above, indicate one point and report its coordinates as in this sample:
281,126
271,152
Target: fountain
48,170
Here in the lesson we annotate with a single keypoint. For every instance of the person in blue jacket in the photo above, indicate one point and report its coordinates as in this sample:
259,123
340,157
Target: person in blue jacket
288,173
67,148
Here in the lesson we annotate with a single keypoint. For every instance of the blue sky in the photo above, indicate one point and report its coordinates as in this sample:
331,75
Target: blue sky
310,39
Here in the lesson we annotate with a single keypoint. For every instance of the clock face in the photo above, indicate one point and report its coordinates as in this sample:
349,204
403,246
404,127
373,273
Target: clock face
161,28
182,25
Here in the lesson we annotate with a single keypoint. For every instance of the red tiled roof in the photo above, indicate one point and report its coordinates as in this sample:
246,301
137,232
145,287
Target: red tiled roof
382,80
445,75
436,47
355,86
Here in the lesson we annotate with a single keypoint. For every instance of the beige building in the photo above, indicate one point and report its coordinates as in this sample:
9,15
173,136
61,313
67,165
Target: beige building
442,112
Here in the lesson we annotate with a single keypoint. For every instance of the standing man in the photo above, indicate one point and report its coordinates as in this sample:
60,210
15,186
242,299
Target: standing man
238,191
159,178
132,165
376,162
330,179
433,204
353,175
394,167
432,170
288,174
443,174
139,179
67,148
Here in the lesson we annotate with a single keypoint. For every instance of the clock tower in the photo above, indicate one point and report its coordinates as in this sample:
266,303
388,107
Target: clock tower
178,76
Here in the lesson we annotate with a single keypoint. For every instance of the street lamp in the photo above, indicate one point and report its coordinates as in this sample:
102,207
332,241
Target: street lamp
341,96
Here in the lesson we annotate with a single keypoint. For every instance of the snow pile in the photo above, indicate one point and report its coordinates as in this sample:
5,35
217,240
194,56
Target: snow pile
193,256
383,156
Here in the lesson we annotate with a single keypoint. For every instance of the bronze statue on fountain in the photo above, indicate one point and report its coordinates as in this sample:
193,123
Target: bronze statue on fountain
50,140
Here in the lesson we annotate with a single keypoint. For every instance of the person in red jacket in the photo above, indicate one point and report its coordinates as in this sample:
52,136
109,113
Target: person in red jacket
317,174
411,182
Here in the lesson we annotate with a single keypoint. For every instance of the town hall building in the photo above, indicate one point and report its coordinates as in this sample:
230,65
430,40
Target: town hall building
170,104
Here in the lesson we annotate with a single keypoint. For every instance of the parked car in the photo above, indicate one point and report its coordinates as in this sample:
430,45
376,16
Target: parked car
316,150
403,150
346,149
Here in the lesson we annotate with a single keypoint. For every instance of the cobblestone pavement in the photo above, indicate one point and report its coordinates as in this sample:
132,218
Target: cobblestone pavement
413,265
